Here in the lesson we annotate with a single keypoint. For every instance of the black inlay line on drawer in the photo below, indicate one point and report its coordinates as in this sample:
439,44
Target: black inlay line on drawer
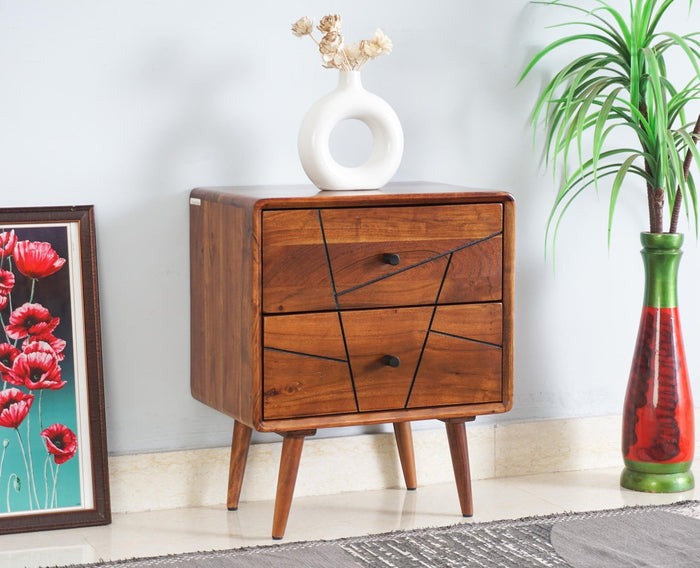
347,355
328,258
337,308
464,338
302,354
427,331
404,269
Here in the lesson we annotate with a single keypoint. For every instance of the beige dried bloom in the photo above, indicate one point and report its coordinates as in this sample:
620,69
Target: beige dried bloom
354,55
329,23
303,26
330,43
370,49
334,53
380,44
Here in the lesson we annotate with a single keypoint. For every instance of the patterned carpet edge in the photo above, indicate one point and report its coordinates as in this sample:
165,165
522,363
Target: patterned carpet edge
688,507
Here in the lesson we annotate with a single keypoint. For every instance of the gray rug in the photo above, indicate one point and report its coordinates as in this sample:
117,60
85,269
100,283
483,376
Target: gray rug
637,537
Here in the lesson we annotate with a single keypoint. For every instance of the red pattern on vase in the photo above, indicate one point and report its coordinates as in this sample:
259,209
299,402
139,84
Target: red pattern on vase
658,422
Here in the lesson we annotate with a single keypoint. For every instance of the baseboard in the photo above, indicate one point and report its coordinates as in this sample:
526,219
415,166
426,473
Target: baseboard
198,478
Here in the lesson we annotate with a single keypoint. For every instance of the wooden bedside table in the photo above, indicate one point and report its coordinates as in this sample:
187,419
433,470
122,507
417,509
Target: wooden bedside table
313,309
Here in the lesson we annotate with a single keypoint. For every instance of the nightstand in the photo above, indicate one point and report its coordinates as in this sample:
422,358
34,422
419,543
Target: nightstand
313,309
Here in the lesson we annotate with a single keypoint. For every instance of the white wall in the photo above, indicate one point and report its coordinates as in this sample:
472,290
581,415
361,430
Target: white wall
129,104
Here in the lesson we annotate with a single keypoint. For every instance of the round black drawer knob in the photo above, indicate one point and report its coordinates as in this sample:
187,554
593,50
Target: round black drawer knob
391,258
391,360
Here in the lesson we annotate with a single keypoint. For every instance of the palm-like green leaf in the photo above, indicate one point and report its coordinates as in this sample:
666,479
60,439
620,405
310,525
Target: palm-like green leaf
621,84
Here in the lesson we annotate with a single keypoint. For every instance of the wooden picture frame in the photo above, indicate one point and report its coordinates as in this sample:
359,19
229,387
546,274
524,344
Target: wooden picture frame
53,450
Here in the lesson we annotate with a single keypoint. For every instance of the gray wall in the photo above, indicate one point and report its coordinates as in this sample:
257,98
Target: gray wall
129,104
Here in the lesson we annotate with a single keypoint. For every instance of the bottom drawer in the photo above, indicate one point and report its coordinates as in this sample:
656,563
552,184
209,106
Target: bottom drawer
383,359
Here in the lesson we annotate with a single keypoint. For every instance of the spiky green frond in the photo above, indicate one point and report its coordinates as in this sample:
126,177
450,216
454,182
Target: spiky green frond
621,83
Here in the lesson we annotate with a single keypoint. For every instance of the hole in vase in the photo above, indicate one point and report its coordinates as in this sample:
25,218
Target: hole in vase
351,143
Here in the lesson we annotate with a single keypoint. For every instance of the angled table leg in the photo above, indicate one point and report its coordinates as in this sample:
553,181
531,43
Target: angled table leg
457,438
289,467
239,456
404,442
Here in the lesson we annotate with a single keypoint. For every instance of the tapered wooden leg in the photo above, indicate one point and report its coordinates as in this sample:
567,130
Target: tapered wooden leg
239,456
289,466
457,438
404,442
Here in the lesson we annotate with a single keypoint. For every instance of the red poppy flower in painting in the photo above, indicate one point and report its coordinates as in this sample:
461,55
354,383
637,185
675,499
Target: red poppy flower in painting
7,243
38,347
37,368
7,282
57,344
36,259
14,407
31,319
8,354
61,442
4,301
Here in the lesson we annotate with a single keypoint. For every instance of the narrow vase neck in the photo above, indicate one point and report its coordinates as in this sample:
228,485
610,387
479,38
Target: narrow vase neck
349,79
661,254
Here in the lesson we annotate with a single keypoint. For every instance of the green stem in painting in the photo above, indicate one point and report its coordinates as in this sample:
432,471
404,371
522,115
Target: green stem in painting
26,468
9,296
17,486
47,464
5,443
54,493
2,323
31,294
41,419
32,480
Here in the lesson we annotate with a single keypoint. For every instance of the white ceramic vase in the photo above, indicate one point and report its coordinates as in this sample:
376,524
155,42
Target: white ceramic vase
350,100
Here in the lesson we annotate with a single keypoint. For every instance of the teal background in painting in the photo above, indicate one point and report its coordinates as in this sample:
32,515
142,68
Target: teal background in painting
57,406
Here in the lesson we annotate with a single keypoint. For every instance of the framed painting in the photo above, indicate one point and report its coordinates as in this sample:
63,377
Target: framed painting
53,451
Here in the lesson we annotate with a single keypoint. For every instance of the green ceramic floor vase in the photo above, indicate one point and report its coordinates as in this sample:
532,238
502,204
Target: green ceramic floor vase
658,432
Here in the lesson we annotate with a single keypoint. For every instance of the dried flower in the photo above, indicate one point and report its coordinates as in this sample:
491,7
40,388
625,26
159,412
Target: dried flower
330,43
329,23
334,53
303,26
378,45
352,51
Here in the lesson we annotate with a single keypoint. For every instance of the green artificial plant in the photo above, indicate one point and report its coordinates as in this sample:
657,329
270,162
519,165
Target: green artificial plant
622,83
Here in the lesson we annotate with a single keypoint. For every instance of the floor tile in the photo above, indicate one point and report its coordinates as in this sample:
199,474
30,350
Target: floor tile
155,533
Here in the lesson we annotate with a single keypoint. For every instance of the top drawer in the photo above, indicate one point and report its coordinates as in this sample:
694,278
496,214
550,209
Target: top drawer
326,259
